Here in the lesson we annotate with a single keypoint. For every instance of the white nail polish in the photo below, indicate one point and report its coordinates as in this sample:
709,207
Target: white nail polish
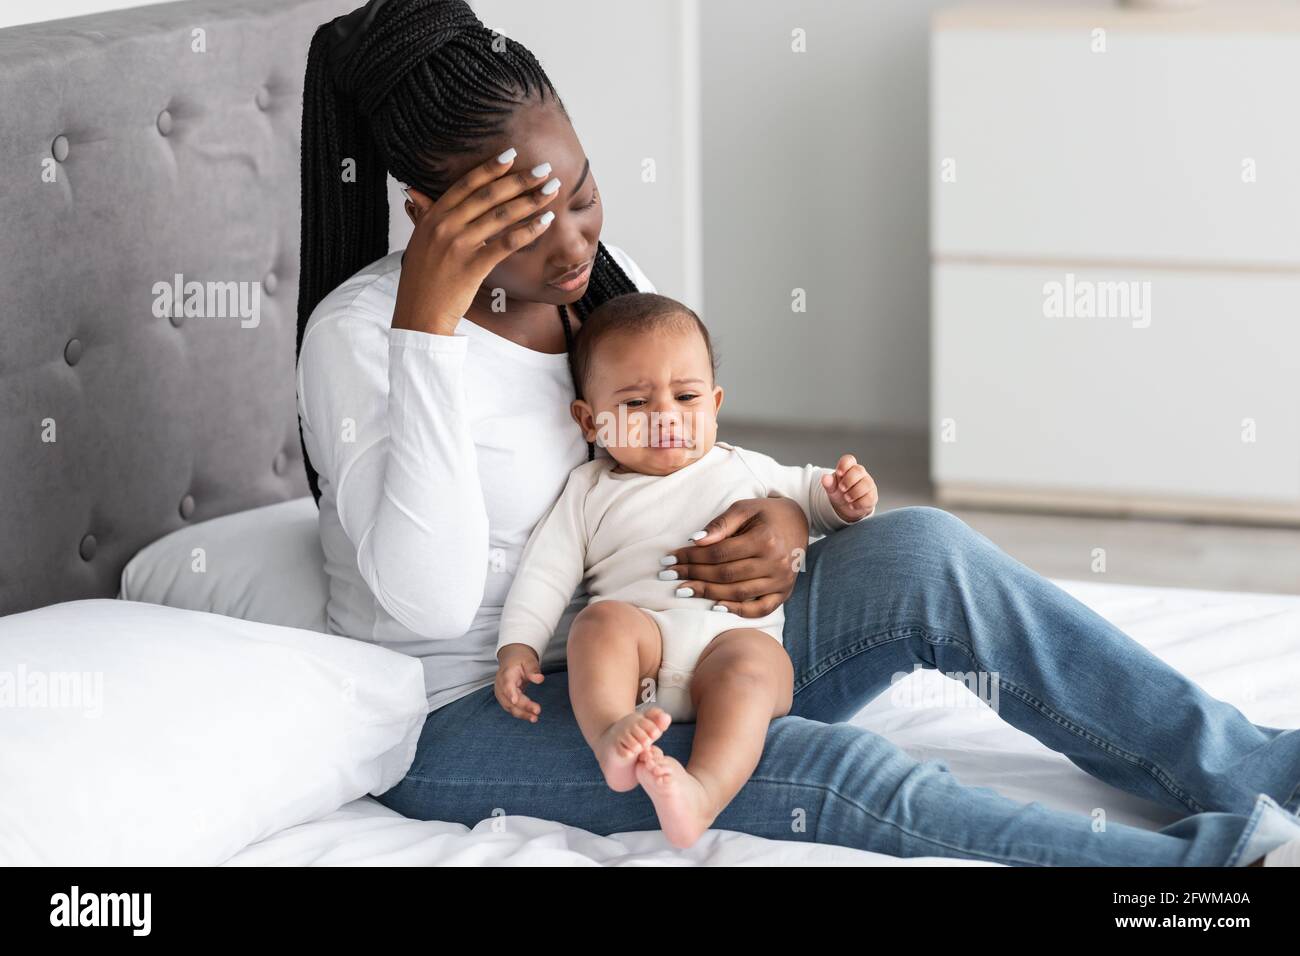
720,607
684,592
550,187
508,155
546,217
667,575
668,559
698,535
541,170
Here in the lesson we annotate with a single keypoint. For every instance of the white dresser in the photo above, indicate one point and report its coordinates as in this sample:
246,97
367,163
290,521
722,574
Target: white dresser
1115,240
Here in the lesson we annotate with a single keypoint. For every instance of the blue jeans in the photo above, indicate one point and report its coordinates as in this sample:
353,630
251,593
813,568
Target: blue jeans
915,585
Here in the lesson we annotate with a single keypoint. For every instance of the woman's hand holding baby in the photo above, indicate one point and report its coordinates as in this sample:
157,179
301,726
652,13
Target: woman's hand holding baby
852,491
745,560
517,666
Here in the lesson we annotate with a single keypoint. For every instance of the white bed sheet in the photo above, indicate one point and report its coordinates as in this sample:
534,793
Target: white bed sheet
1243,648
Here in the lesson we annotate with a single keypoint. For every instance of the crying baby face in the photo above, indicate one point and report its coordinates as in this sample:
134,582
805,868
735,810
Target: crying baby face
650,397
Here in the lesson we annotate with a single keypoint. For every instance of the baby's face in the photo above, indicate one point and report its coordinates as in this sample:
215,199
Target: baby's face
651,400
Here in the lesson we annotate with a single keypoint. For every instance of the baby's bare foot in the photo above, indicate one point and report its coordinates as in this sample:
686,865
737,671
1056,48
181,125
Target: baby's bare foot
680,800
624,741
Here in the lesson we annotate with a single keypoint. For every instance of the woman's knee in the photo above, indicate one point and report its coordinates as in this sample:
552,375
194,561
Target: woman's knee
916,533
919,522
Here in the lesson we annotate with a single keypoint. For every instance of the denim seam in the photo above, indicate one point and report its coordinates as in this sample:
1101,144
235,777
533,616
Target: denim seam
1252,824
962,852
1292,803
896,633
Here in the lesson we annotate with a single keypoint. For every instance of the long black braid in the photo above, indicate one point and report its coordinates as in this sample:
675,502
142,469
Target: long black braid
403,86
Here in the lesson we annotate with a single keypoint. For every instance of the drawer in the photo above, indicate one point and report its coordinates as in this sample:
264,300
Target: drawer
1133,154
1101,404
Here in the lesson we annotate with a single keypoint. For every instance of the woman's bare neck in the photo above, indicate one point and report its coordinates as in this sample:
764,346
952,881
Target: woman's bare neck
534,325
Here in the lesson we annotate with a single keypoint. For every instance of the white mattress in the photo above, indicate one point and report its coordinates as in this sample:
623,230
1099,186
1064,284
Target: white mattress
1243,648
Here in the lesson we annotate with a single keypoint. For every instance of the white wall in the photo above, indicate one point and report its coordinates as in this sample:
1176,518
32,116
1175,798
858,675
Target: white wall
816,177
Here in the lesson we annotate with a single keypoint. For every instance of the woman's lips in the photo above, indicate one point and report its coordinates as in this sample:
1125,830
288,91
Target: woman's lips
574,283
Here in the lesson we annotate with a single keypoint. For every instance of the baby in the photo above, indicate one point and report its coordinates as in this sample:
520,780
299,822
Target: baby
644,367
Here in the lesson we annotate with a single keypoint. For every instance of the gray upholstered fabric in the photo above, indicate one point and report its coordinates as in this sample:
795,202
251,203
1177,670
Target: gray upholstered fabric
165,161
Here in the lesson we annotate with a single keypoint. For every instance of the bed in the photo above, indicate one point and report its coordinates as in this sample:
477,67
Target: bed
1243,648
153,475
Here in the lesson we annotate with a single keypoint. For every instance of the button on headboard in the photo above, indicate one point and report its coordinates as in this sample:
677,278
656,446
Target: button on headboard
136,147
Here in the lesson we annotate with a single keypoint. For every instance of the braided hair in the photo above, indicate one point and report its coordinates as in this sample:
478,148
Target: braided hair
401,87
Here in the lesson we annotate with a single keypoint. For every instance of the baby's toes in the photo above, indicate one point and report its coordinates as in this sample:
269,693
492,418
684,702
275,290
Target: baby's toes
651,755
648,731
659,719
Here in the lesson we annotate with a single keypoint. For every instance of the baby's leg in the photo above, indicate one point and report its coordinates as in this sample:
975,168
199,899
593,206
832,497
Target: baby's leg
743,680
612,647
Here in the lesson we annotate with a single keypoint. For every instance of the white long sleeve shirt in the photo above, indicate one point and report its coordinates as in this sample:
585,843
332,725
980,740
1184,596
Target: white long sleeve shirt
608,531
437,456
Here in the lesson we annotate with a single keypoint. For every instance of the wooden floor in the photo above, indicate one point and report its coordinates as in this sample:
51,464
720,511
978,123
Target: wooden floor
1162,552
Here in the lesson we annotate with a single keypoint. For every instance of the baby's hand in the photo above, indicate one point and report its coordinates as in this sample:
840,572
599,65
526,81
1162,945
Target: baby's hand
852,491
517,666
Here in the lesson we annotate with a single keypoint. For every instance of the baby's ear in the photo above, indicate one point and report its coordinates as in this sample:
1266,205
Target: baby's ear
582,414
717,398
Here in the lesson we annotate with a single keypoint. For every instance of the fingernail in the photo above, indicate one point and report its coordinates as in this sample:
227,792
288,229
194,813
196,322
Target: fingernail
550,187
541,170
698,535
719,607
667,575
508,155
668,559
684,592
546,217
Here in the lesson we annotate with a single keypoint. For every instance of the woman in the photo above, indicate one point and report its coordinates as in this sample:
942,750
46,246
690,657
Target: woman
433,392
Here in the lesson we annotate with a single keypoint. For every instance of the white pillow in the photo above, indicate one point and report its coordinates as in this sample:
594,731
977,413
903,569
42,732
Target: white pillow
260,565
141,735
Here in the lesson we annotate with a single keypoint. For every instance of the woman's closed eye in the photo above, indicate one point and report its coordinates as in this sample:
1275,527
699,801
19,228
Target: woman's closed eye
595,198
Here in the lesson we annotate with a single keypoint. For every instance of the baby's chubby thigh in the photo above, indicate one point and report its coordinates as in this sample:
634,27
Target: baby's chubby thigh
699,644
745,666
606,628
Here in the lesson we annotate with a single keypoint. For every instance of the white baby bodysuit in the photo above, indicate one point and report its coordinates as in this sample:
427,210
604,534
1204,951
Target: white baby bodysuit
609,530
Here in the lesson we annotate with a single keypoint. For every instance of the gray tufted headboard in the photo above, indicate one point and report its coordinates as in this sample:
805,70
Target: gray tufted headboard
128,156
